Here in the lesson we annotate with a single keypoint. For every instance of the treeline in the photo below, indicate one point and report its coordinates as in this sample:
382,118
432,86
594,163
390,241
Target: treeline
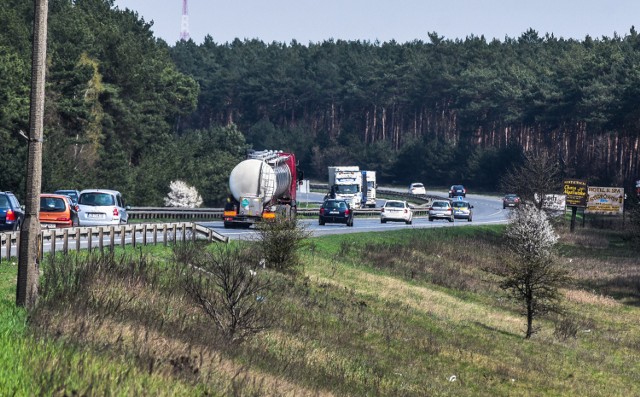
440,111
127,111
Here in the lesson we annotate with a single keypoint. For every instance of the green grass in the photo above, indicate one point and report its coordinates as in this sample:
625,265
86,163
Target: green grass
395,313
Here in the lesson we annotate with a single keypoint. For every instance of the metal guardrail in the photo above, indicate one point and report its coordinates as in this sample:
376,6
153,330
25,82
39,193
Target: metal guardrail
107,237
216,213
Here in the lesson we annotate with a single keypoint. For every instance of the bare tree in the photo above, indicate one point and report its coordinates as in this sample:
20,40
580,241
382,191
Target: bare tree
225,284
538,175
531,273
28,273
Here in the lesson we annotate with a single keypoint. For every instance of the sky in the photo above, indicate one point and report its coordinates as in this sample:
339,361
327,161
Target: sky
370,20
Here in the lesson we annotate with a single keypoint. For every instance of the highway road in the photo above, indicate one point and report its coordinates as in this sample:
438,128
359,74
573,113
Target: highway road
487,210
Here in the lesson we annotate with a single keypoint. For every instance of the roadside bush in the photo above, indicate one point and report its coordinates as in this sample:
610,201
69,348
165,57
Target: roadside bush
226,286
279,244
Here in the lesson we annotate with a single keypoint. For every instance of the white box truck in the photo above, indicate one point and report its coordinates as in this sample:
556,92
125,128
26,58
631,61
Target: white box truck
369,187
345,182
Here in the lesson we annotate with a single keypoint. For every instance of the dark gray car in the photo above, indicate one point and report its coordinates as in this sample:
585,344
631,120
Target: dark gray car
11,212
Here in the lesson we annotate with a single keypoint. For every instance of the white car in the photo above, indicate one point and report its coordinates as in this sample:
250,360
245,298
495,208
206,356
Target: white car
101,207
417,188
396,210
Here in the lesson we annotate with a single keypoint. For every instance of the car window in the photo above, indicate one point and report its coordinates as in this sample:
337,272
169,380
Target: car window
120,201
96,199
52,204
459,204
14,200
394,204
4,202
440,204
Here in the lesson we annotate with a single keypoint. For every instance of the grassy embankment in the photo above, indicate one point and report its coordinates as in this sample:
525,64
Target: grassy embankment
412,312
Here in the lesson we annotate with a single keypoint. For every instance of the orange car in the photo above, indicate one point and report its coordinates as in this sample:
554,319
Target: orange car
57,210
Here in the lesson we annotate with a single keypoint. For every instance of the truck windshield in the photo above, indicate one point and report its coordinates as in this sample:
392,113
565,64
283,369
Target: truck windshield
346,189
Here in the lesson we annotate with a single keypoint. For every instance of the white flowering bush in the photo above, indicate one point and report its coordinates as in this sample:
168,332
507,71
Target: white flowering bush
530,234
182,195
531,274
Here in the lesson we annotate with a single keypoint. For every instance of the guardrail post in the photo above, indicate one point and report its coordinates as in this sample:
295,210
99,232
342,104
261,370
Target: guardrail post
193,232
77,237
101,240
53,243
65,241
7,243
112,236
144,234
165,234
133,236
89,239
155,234
123,233
184,232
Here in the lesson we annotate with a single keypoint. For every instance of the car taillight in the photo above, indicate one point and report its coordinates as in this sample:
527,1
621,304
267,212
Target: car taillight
430,208
405,210
346,212
115,212
382,209
11,216
63,219
321,211
76,207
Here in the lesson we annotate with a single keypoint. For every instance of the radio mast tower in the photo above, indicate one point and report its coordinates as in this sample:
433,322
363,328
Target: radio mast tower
184,25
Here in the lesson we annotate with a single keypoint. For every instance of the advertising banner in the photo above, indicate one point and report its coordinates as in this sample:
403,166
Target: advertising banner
576,192
605,200
554,202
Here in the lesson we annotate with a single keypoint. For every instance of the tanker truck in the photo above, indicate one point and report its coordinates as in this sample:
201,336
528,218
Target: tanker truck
263,187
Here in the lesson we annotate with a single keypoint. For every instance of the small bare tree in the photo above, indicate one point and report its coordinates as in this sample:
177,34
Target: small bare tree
182,195
537,176
531,273
227,288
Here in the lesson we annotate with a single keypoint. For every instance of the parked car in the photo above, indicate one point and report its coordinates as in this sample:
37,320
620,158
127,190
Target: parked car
417,188
11,212
74,194
396,210
57,210
462,210
336,211
457,190
441,209
510,200
101,207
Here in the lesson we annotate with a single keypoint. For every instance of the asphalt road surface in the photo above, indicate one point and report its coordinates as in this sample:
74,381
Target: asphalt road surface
487,210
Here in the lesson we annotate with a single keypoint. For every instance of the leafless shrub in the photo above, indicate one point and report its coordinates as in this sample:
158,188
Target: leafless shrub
279,244
224,284
565,328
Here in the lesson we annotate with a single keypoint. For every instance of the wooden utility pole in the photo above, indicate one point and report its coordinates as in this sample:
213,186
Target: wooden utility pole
28,271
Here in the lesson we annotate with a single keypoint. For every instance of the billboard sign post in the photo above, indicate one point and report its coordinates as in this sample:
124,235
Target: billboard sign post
575,191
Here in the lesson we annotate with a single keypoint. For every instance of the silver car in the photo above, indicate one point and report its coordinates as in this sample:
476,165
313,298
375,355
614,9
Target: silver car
441,209
101,207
